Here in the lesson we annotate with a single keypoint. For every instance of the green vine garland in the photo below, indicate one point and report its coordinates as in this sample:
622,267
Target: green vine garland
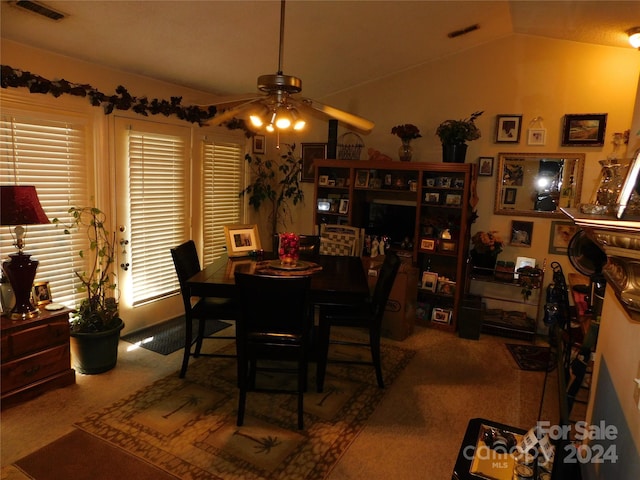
122,100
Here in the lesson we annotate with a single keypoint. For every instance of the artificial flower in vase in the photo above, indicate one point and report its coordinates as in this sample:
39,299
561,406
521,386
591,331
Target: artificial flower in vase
406,133
289,249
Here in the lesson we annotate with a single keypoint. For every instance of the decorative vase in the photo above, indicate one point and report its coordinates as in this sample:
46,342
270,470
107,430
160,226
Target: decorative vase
484,263
406,151
454,153
289,249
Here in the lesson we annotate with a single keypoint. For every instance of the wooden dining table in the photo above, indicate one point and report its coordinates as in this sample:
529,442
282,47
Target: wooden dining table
341,280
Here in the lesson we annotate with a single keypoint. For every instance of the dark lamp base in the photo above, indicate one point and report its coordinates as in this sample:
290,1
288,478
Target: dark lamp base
20,269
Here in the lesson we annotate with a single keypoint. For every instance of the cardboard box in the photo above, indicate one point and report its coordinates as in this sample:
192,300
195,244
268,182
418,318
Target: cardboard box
400,315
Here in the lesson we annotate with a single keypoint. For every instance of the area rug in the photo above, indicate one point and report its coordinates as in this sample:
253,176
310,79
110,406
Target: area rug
167,337
532,358
188,428
60,460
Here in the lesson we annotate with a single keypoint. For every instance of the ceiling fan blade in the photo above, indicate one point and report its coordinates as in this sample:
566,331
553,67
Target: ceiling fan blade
232,112
350,119
241,97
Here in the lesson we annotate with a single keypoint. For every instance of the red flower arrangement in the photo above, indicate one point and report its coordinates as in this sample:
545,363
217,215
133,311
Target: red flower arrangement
406,131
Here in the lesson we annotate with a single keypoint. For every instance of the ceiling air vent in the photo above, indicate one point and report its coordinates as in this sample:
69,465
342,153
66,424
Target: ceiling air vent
39,8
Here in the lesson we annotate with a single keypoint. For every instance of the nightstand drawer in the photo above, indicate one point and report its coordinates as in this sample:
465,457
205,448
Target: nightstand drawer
34,339
35,367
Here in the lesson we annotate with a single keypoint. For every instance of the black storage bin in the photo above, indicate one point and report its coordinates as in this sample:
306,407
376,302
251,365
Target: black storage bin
470,317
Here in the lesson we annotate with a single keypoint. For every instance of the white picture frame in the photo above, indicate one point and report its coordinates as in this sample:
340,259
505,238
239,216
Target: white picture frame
241,239
523,262
537,136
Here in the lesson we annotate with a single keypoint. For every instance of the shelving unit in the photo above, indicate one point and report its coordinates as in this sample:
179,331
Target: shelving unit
438,195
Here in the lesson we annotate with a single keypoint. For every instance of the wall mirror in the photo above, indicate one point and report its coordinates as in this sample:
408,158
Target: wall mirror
538,184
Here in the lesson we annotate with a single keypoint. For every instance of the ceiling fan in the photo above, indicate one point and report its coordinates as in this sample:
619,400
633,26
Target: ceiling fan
277,108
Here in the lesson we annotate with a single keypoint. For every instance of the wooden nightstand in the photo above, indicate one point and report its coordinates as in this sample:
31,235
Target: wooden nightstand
35,356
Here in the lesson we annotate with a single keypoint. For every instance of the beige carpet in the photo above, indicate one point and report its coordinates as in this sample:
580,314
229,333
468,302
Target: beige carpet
188,427
414,433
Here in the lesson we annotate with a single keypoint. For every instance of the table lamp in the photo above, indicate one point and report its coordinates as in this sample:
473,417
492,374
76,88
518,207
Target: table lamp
19,206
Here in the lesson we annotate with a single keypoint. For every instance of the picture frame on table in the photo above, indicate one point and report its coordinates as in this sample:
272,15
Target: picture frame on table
441,315
323,180
310,152
560,236
431,197
485,166
453,200
362,179
41,292
429,281
521,233
523,262
428,244
241,239
508,128
259,144
448,246
585,129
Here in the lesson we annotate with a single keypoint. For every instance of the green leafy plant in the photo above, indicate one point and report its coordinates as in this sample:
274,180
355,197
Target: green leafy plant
458,132
98,311
276,183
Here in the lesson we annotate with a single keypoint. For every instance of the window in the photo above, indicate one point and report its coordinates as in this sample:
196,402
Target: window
158,202
222,183
50,152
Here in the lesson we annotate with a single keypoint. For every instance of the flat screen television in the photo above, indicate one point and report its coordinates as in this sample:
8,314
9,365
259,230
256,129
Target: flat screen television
395,219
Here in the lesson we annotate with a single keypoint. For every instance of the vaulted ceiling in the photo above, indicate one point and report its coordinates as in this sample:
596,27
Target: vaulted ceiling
223,46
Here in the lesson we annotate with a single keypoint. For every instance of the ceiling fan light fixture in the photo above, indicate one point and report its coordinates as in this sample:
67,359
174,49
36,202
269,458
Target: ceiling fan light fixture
634,37
255,120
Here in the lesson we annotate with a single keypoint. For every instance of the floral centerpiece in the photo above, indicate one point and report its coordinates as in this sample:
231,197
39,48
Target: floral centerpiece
485,249
406,133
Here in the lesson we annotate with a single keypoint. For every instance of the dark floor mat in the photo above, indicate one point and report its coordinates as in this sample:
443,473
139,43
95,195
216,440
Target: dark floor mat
531,357
167,337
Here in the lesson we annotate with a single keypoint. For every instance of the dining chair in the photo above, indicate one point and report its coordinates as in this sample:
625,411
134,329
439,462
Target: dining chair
367,315
309,245
274,325
341,240
187,264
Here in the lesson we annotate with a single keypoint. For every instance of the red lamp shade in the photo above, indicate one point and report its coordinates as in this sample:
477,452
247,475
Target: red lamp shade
19,205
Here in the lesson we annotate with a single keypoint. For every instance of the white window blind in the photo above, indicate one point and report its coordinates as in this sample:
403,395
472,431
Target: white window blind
157,165
52,155
222,183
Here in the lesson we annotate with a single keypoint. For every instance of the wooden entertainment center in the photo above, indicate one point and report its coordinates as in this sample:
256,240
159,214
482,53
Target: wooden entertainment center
435,199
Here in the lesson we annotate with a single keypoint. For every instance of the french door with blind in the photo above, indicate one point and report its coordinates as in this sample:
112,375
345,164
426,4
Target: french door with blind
165,196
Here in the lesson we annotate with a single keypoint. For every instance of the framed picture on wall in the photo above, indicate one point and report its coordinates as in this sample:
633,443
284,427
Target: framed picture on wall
586,129
521,233
560,236
508,128
310,153
537,136
259,144
485,166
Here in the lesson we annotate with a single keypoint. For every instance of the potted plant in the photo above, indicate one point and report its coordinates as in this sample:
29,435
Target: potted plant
275,183
454,134
96,323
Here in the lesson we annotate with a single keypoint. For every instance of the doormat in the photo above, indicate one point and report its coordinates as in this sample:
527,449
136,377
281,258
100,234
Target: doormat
98,460
188,427
532,358
169,336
